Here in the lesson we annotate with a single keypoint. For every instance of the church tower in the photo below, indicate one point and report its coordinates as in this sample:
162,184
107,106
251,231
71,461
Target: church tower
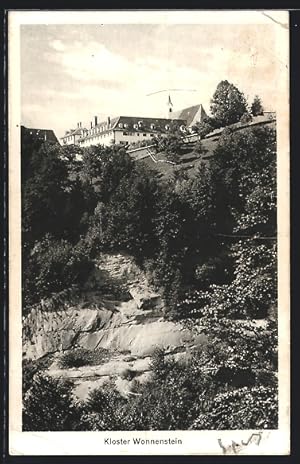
170,106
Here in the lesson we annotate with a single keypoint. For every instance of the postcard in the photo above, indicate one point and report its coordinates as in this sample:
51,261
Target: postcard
149,287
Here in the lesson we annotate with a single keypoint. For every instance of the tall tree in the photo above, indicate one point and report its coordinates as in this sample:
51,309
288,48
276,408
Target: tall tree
45,186
228,104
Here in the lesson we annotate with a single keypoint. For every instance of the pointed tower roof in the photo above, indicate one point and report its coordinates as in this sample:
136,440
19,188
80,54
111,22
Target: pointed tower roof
192,114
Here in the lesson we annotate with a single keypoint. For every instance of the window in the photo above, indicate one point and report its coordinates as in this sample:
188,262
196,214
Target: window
144,135
125,133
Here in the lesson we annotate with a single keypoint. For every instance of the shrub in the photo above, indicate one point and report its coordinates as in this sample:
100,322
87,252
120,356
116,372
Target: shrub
205,127
30,368
171,145
49,406
83,357
128,374
53,265
244,408
105,409
246,117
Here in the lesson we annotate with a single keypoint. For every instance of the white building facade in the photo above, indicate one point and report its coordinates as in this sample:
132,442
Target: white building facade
128,130
123,130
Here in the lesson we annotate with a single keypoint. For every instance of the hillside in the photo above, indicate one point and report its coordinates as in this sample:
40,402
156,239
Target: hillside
188,160
150,305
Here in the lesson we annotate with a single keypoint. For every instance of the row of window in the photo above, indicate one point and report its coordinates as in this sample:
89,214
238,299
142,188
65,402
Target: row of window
68,139
97,138
140,125
98,130
136,133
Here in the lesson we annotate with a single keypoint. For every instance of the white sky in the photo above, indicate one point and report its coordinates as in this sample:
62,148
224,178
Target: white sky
70,73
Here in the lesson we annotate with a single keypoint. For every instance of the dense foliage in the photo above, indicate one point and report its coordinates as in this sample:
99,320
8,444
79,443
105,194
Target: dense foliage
257,107
179,396
207,241
228,104
213,232
48,405
83,357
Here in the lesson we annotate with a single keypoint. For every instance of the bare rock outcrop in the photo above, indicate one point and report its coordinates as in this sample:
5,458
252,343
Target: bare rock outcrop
129,329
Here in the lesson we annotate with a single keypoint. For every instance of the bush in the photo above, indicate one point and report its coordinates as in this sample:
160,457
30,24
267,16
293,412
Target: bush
53,265
30,368
205,127
205,391
49,406
171,145
246,118
128,374
244,408
105,409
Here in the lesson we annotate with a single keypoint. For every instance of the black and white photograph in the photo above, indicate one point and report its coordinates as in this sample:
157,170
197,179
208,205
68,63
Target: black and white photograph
149,232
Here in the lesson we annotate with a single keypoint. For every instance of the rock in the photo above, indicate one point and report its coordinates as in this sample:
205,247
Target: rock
83,389
144,297
130,330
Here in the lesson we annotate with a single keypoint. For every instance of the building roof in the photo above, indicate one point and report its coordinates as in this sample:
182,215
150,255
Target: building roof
106,126
147,123
77,131
130,122
47,135
191,114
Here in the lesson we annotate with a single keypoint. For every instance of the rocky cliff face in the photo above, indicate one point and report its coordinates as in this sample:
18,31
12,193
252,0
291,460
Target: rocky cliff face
129,327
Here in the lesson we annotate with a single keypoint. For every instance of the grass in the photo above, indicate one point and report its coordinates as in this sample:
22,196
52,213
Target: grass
188,160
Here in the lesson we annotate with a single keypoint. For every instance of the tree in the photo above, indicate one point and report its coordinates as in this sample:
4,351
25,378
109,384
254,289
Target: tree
238,409
103,168
256,107
171,145
228,104
244,175
240,159
204,127
45,185
53,265
125,221
49,406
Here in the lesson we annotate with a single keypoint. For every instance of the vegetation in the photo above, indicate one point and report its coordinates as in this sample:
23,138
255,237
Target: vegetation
82,357
207,242
205,127
228,104
49,405
170,145
257,107
189,395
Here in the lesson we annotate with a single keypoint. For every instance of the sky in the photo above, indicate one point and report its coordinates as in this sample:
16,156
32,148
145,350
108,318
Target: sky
70,73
